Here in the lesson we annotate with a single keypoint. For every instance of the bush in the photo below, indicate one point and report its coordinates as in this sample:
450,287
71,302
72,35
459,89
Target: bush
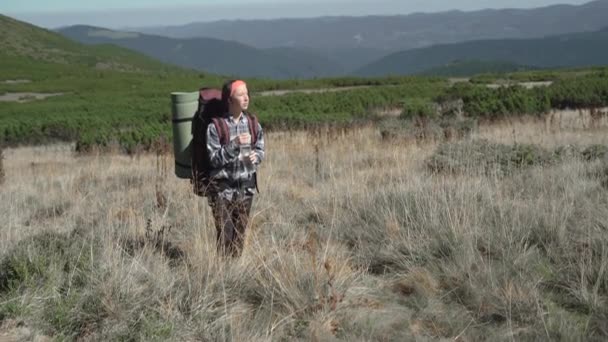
487,158
419,108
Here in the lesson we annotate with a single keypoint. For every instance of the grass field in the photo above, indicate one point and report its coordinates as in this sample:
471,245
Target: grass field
353,238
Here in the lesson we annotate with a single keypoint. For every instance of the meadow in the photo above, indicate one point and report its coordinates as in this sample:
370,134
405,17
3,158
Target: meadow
498,234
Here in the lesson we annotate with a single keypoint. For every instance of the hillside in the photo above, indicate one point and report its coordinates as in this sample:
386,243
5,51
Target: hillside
213,55
570,50
130,111
399,32
95,88
27,42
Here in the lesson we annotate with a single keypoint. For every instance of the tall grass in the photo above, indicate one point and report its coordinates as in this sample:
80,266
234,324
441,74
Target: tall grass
1,166
352,238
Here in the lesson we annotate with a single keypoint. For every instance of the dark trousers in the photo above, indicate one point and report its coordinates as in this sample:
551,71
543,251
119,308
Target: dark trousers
231,218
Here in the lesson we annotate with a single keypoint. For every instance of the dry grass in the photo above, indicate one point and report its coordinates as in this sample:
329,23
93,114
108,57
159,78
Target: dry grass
1,166
351,239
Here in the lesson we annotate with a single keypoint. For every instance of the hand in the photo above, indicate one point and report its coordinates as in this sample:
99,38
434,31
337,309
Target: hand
253,157
243,139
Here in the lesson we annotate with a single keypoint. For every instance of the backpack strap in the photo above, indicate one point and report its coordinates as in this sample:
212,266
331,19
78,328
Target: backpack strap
252,120
223,132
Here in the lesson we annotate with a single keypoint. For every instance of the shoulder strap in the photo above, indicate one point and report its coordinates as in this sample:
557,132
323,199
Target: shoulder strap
223,132
252,120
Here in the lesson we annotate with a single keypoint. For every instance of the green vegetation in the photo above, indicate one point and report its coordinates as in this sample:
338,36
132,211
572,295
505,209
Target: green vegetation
23,40
588,91
132,109
304,110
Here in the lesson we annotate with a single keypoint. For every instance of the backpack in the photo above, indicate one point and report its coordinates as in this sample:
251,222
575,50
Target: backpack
211,109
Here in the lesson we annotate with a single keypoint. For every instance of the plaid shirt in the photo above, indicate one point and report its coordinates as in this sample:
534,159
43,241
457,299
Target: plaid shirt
225,162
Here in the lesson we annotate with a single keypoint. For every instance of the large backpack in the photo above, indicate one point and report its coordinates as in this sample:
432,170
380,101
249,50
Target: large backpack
211,109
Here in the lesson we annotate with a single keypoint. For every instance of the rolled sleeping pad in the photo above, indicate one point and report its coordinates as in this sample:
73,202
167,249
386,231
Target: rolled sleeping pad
184,105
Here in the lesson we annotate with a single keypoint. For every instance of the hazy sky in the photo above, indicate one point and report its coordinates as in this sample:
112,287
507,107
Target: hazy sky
121,13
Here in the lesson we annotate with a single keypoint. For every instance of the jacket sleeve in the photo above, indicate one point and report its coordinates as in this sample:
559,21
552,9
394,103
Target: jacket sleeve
259,145
219,155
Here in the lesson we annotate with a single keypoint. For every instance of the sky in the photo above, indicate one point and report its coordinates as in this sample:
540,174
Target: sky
134,13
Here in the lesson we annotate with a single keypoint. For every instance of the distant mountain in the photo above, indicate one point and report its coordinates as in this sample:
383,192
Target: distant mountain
399,32
213,55
24,41
348,58
570,50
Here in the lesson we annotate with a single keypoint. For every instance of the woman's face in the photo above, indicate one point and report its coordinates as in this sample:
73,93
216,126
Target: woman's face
240,98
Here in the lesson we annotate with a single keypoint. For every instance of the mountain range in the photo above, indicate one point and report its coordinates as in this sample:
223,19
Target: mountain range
568,50
398,32
554,36
212,55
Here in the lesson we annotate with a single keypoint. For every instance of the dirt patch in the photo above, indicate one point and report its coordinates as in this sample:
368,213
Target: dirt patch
16,331
452,81
393,112
26,97
307,91
527,85
16,81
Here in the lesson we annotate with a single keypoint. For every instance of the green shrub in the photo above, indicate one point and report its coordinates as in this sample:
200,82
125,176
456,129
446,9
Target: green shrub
103,109
482,156
419,108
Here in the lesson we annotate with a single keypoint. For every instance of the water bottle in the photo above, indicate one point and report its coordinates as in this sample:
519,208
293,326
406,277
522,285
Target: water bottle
244,153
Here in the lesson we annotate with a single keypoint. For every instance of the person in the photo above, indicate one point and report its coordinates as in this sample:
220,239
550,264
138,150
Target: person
233,167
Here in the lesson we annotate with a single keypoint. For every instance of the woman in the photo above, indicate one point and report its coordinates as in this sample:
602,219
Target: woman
234,160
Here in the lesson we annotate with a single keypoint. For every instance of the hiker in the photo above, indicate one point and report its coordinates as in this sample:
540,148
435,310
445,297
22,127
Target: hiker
232,166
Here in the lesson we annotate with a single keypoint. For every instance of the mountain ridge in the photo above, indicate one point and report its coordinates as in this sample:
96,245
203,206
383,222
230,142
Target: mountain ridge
211,55
569,50
399,32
